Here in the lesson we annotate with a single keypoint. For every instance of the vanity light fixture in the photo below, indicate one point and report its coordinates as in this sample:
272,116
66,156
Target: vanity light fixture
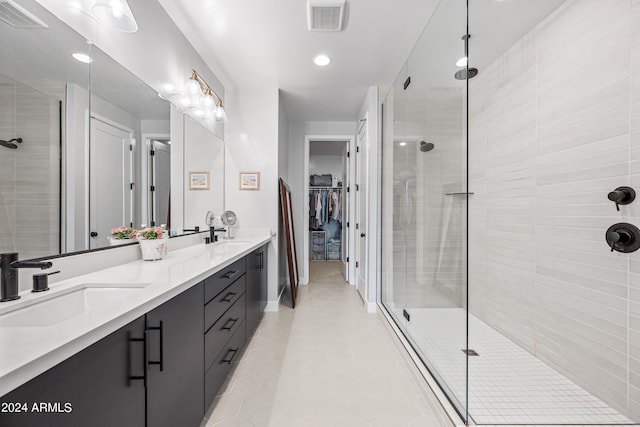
198,95
82,57
115,14
322,60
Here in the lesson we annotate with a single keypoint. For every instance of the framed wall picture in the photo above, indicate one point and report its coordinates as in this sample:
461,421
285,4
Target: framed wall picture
199,181
249,180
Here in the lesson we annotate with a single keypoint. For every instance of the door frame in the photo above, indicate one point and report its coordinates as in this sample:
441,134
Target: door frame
350,140
361,211
145,210
132,144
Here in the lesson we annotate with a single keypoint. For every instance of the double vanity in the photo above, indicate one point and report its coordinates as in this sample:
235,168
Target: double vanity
141,343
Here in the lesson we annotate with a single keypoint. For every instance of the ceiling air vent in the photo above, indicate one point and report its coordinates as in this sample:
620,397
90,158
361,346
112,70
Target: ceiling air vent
17,16
325,15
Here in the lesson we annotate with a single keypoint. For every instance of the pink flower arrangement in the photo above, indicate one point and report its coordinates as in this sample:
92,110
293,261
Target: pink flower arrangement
150,233
123,233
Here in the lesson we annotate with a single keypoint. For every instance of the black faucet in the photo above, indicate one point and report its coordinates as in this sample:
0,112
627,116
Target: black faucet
9,283
212,233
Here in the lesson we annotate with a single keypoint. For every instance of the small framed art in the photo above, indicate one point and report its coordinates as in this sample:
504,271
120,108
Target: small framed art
199,181
249,180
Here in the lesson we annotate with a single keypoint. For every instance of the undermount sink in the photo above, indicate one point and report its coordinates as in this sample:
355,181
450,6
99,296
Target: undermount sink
57,307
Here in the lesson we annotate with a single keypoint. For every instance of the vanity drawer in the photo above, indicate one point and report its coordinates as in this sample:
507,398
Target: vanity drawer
221,303
222,330
215,284
222,365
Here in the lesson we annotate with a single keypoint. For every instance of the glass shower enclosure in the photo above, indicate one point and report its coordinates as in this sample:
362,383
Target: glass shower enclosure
499,147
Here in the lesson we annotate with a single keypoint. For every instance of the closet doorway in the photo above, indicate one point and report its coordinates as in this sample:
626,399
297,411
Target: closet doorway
328,231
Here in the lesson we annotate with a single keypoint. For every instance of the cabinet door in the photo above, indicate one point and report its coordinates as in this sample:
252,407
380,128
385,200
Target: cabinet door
175,390
253,291
264,278
92,388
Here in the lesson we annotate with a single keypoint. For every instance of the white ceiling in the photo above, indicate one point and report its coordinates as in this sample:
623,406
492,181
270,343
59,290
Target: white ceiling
41,58
266,43
249,42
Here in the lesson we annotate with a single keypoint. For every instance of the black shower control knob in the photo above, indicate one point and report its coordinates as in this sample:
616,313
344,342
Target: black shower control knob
622,196
93,234
623,237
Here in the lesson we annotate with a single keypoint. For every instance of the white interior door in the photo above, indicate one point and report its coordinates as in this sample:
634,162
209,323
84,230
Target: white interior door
110,192
361,212
345,213
161,182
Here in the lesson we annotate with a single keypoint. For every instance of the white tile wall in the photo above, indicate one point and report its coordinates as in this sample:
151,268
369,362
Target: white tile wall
29,175
554,126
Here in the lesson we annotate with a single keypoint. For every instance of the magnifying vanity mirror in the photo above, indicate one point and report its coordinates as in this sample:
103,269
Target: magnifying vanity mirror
97,146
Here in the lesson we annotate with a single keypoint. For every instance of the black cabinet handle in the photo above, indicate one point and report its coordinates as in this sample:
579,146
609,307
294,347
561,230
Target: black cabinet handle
261,262
161,361
143,340
228,297
229,324
233,353
230,274
362,234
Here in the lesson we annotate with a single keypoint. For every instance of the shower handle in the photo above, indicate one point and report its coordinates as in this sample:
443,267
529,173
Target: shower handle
622,196
623,237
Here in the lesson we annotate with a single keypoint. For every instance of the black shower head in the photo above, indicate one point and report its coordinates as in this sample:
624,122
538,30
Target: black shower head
426,146
464,74
10,143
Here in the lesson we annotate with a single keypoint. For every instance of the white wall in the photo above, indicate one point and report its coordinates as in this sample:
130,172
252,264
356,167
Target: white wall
252,141
553,128
324,164
297,132
283,172
203,152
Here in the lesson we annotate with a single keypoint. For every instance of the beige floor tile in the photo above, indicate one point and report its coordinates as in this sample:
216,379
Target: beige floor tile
326,363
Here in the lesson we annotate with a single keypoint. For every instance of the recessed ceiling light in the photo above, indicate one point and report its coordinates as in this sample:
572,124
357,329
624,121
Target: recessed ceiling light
462,62
82,57
402,144
322,60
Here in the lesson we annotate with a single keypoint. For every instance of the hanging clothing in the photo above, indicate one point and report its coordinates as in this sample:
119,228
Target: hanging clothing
324,206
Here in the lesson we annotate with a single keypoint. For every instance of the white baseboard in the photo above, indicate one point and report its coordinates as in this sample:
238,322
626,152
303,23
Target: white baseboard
272,306
372,307
303,281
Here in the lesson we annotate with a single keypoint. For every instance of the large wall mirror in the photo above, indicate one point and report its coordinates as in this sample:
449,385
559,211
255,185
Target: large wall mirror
86,146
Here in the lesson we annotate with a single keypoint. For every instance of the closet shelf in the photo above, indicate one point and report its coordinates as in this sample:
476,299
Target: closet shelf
313,187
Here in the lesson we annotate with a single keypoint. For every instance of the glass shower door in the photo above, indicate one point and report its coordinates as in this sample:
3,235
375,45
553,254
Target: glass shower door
424,200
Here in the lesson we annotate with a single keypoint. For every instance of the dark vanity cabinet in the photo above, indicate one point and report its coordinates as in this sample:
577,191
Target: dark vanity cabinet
175,384
225,330
95,387
163,369
256,287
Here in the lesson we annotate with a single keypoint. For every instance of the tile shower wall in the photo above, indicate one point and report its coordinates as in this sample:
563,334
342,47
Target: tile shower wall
554,126
29,175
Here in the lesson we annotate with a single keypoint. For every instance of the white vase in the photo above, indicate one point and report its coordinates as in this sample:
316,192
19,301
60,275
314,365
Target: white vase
153,249
117,242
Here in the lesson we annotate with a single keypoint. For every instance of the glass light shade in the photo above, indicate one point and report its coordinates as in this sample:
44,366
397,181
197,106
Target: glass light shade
221,115
208,105
115,14
192,92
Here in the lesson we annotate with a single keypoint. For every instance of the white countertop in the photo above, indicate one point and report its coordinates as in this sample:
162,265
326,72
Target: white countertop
27,351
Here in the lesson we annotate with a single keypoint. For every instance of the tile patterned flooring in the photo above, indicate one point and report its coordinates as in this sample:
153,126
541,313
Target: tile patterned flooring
326,363
507,384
